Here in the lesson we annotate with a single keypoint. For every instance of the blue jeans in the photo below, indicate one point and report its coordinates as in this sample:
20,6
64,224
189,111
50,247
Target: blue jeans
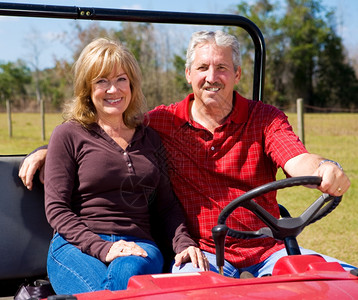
258,270
71,271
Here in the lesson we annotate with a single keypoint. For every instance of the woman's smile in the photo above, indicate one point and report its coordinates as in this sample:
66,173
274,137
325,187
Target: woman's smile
114,101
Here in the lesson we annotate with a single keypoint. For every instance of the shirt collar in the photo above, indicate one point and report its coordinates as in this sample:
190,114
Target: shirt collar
139,132
182,112
239,114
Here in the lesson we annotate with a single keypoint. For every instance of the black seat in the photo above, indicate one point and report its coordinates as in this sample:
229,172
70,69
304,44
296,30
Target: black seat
24,232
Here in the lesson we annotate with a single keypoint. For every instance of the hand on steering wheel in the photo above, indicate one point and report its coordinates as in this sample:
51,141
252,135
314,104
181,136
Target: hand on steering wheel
282,229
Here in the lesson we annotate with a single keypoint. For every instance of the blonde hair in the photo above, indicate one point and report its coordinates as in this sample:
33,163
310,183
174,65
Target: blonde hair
97,60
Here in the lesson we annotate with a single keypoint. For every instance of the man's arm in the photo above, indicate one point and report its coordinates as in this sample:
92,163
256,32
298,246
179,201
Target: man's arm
334,181
33,162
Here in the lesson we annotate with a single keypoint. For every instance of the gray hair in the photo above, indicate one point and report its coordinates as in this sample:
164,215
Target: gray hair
220,38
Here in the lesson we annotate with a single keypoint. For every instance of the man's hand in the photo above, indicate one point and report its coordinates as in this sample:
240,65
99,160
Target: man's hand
31,164
334,181
124,248
194,255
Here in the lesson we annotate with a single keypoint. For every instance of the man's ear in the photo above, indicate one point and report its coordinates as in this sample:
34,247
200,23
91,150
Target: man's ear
238,75
187,75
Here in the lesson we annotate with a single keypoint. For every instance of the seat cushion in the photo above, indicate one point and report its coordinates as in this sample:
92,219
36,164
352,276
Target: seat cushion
24,232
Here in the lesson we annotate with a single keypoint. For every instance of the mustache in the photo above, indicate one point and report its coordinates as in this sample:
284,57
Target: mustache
212,85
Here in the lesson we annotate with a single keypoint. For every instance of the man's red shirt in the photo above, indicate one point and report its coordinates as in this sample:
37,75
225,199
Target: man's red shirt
210,170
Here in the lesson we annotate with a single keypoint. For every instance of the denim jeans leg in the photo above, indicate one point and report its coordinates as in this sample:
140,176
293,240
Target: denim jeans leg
69,268
122,268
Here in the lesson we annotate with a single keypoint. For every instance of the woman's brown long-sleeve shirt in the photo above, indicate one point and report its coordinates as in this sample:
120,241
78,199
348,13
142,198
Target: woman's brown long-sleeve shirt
93,186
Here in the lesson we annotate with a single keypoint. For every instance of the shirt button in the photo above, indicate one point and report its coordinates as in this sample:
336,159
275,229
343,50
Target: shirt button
212,148
124,153
129,164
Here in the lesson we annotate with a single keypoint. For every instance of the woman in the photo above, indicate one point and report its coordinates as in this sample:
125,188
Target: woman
103,170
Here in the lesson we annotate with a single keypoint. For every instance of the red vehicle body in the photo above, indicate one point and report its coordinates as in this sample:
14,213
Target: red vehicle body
320,280
294,277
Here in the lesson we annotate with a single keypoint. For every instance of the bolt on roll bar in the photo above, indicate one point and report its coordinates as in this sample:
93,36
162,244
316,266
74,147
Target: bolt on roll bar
127,15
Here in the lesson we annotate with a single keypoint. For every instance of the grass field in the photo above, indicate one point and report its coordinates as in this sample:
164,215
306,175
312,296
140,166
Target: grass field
334,136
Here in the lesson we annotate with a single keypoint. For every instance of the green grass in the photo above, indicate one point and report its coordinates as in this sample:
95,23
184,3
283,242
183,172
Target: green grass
334,136
26,132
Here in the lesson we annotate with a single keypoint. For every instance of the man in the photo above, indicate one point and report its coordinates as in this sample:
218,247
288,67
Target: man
221,145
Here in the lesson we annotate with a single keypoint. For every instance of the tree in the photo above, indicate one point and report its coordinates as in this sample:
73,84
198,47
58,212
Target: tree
336,81
149,48
265,16
81,36
182,86
316,57
304,29
152,50
13,79
34,41
56,84
140,40
305,57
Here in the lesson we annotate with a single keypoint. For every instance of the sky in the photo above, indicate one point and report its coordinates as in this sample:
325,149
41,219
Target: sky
15,32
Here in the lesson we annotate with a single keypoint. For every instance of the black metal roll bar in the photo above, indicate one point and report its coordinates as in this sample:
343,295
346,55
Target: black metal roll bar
127,15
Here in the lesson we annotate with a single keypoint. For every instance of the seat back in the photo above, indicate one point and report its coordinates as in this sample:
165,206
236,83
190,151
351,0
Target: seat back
24,232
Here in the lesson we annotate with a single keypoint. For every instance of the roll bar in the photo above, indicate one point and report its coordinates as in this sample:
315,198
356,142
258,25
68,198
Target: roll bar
128,15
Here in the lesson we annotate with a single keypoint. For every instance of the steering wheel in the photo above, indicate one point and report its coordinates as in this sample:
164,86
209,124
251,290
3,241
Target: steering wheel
285,229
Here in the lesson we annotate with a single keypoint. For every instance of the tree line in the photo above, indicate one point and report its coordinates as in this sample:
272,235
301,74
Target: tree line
305,59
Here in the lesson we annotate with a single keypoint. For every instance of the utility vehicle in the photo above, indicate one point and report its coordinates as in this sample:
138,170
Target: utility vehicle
25,234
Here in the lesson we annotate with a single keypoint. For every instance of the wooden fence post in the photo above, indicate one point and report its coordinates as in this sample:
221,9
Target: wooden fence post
9,120
300,120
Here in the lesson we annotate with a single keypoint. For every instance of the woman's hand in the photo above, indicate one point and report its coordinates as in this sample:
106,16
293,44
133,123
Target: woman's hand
30,165
193,254
123,248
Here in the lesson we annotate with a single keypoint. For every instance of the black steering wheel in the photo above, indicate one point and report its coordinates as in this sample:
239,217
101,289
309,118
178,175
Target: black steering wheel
285,229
